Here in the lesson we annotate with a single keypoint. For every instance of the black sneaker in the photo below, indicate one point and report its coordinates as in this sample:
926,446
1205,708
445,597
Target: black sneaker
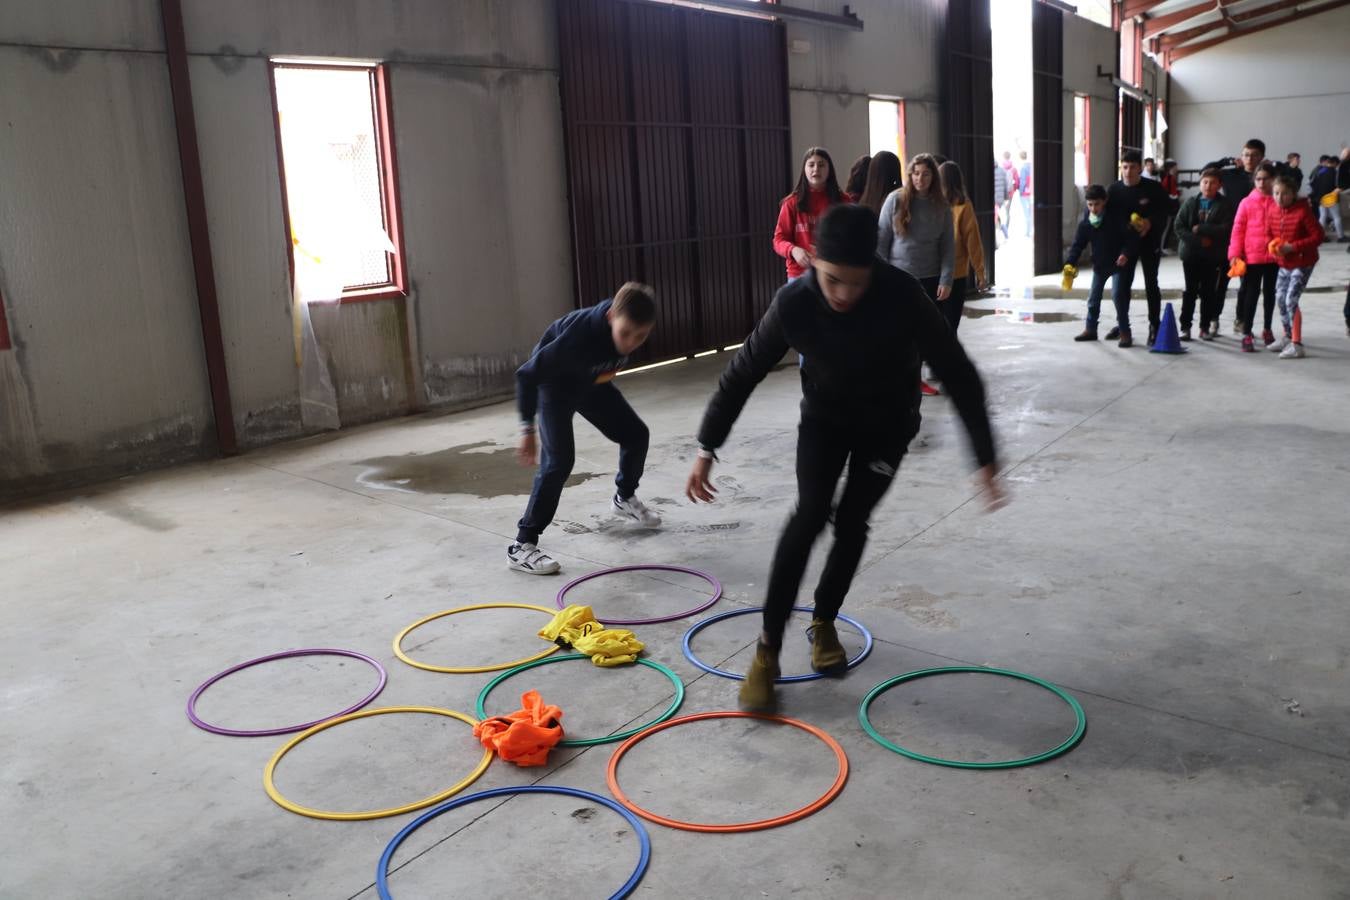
1113,333
1186,333
1088,334
1125,340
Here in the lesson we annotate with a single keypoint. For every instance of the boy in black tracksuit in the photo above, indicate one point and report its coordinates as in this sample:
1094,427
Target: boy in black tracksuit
571,371
1237,175
1137,207
861,327
1107,244
1204,224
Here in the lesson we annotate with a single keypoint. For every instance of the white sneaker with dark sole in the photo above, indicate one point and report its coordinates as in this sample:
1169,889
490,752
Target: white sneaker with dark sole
529,559
635,510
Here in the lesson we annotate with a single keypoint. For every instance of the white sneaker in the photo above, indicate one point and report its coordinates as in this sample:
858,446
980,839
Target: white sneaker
1293,351
530,559
635,510
1279,344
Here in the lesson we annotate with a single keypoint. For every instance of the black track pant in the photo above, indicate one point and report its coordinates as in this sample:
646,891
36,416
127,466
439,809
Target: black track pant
823,452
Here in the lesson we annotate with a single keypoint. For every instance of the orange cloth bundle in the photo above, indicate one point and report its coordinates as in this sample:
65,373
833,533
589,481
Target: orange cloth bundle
1273,248
525,736
1237,268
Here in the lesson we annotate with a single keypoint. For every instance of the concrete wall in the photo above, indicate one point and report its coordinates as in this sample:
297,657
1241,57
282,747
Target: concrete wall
107,373
1088,45
898,54
1288,85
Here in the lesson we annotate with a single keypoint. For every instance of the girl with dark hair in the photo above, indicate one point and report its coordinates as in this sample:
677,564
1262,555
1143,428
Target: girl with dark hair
857,177
969,247
883,177
817,190
915,233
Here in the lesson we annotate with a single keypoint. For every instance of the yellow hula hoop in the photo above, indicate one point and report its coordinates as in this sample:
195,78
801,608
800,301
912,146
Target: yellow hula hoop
471,670
281,801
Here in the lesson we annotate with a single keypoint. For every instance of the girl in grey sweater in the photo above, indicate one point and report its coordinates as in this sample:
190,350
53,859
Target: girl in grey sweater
915,232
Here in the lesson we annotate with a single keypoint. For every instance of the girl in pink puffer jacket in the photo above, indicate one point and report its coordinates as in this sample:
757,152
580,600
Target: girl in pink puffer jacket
1250,243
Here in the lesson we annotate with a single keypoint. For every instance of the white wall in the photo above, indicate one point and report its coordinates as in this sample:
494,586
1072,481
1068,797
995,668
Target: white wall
108,370
1087,46
1288,85
897,54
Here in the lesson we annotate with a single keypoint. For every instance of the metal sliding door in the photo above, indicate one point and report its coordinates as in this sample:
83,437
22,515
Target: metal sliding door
968,104
1047,111
676,124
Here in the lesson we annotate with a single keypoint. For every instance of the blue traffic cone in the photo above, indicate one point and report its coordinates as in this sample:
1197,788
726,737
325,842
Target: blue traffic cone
1168,340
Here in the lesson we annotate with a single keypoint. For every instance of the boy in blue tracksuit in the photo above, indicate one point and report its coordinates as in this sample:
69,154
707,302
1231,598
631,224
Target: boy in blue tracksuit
571,371
1108,249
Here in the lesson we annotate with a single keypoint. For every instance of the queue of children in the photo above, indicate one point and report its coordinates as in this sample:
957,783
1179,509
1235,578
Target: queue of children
1247,221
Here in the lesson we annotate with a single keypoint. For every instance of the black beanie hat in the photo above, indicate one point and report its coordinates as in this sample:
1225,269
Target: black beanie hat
847,235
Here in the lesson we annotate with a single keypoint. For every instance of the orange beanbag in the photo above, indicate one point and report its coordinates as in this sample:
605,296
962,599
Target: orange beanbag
525,736
1237,268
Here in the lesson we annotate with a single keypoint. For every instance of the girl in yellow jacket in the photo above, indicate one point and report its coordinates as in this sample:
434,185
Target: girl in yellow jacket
969,248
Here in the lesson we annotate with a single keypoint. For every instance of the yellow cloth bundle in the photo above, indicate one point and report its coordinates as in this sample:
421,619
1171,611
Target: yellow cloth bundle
1070,272
577,628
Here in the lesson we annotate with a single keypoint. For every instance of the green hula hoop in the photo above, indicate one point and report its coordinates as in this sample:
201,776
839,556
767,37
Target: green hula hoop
1079,728
589,742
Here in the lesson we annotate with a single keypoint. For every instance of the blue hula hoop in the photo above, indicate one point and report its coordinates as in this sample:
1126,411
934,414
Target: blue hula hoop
644,856
785,679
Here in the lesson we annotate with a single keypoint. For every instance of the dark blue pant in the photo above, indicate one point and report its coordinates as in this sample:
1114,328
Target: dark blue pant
1094,299
1120,294
604,407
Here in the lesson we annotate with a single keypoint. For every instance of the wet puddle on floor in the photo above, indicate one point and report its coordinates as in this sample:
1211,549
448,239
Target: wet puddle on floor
1013,315
462,469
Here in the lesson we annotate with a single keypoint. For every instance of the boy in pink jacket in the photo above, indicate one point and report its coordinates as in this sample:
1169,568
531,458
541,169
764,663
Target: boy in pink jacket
1250,243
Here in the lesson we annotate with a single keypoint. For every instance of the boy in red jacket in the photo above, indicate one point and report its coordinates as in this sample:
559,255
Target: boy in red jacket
1294,236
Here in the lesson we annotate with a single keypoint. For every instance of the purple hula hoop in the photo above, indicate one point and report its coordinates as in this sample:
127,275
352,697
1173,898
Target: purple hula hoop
286,654
717,593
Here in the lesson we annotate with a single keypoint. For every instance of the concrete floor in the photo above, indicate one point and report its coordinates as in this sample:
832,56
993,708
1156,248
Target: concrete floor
1174,556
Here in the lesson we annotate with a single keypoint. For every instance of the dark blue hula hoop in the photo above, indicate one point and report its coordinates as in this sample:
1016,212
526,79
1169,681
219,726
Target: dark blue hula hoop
785,679
644,856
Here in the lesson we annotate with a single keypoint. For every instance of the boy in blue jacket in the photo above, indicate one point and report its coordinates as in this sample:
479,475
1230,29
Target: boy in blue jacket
1108,249
571,371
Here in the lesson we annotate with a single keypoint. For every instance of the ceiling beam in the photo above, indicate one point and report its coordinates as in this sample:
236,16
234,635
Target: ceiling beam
1131,8
1174,39
1190,49
1156,25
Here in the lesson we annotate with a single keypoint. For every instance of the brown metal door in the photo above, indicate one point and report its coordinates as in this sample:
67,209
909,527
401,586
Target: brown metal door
1131,123
677,158
968,98
1047,113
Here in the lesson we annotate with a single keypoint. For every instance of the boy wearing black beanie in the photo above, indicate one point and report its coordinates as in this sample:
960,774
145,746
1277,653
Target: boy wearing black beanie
861,327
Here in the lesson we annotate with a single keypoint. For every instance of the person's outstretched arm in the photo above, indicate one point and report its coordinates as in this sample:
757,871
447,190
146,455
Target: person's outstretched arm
961,380
756,358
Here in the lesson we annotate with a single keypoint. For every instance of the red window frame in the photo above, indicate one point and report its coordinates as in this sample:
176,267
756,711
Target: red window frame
5,343
383,113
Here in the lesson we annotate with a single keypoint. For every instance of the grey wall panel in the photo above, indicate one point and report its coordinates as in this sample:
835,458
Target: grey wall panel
94,24
248,237
93,245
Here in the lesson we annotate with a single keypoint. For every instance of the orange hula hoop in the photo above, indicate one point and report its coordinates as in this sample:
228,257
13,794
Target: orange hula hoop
841,777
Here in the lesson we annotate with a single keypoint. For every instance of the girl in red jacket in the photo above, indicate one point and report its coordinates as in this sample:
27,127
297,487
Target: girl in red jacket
1250,243
817,190
1294,236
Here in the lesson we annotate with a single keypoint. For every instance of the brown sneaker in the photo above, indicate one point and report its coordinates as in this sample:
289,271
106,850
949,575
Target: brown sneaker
757,689
827,654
